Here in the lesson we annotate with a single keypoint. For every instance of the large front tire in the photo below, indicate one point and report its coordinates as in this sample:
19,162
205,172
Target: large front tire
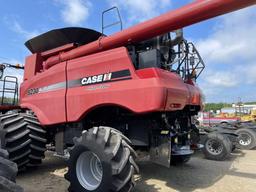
24,138
14,137
101,160
37,135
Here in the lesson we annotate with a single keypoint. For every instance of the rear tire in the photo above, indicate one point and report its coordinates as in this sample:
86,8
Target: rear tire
109,154
8,172
217,147
246,138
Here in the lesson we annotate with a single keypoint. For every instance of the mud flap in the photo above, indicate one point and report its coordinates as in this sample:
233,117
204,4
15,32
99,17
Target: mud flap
160,151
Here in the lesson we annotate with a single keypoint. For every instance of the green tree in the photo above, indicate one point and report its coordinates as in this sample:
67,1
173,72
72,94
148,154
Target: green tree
216,106
250,103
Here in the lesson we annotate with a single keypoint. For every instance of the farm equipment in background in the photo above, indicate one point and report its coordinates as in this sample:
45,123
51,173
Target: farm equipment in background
221,140
215,130
211,132
241,111
208,119
246,132
245,115
94,99
9,94
251,117
9,88
3,66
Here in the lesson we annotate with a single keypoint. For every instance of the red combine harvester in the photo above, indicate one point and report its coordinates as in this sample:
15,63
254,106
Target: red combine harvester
95,99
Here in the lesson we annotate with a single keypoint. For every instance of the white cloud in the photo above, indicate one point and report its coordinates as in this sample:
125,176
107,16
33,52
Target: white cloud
229,53
141,10
222,79
234,37
247,73
75,12
217,84
25,33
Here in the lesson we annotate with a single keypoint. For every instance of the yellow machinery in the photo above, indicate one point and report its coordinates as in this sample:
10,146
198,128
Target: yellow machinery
250,117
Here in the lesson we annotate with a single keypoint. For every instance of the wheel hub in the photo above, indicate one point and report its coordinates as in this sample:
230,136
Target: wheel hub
214,147
89,170
245,139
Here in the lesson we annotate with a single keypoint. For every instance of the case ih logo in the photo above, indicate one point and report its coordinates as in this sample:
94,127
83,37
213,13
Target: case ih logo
86,81
96,79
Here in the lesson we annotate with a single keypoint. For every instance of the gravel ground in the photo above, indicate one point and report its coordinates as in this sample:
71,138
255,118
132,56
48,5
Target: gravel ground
198,175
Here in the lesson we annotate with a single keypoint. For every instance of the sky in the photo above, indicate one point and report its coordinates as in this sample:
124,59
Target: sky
226,43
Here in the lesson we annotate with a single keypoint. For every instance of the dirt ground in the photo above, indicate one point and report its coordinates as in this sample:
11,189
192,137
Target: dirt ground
234,175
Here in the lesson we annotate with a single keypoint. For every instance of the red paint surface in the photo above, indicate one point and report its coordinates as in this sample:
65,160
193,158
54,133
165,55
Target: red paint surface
50,106
149,89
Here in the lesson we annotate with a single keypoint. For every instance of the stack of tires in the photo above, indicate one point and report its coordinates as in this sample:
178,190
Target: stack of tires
8,172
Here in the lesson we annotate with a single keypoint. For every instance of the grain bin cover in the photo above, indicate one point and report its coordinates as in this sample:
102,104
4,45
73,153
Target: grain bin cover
59,37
